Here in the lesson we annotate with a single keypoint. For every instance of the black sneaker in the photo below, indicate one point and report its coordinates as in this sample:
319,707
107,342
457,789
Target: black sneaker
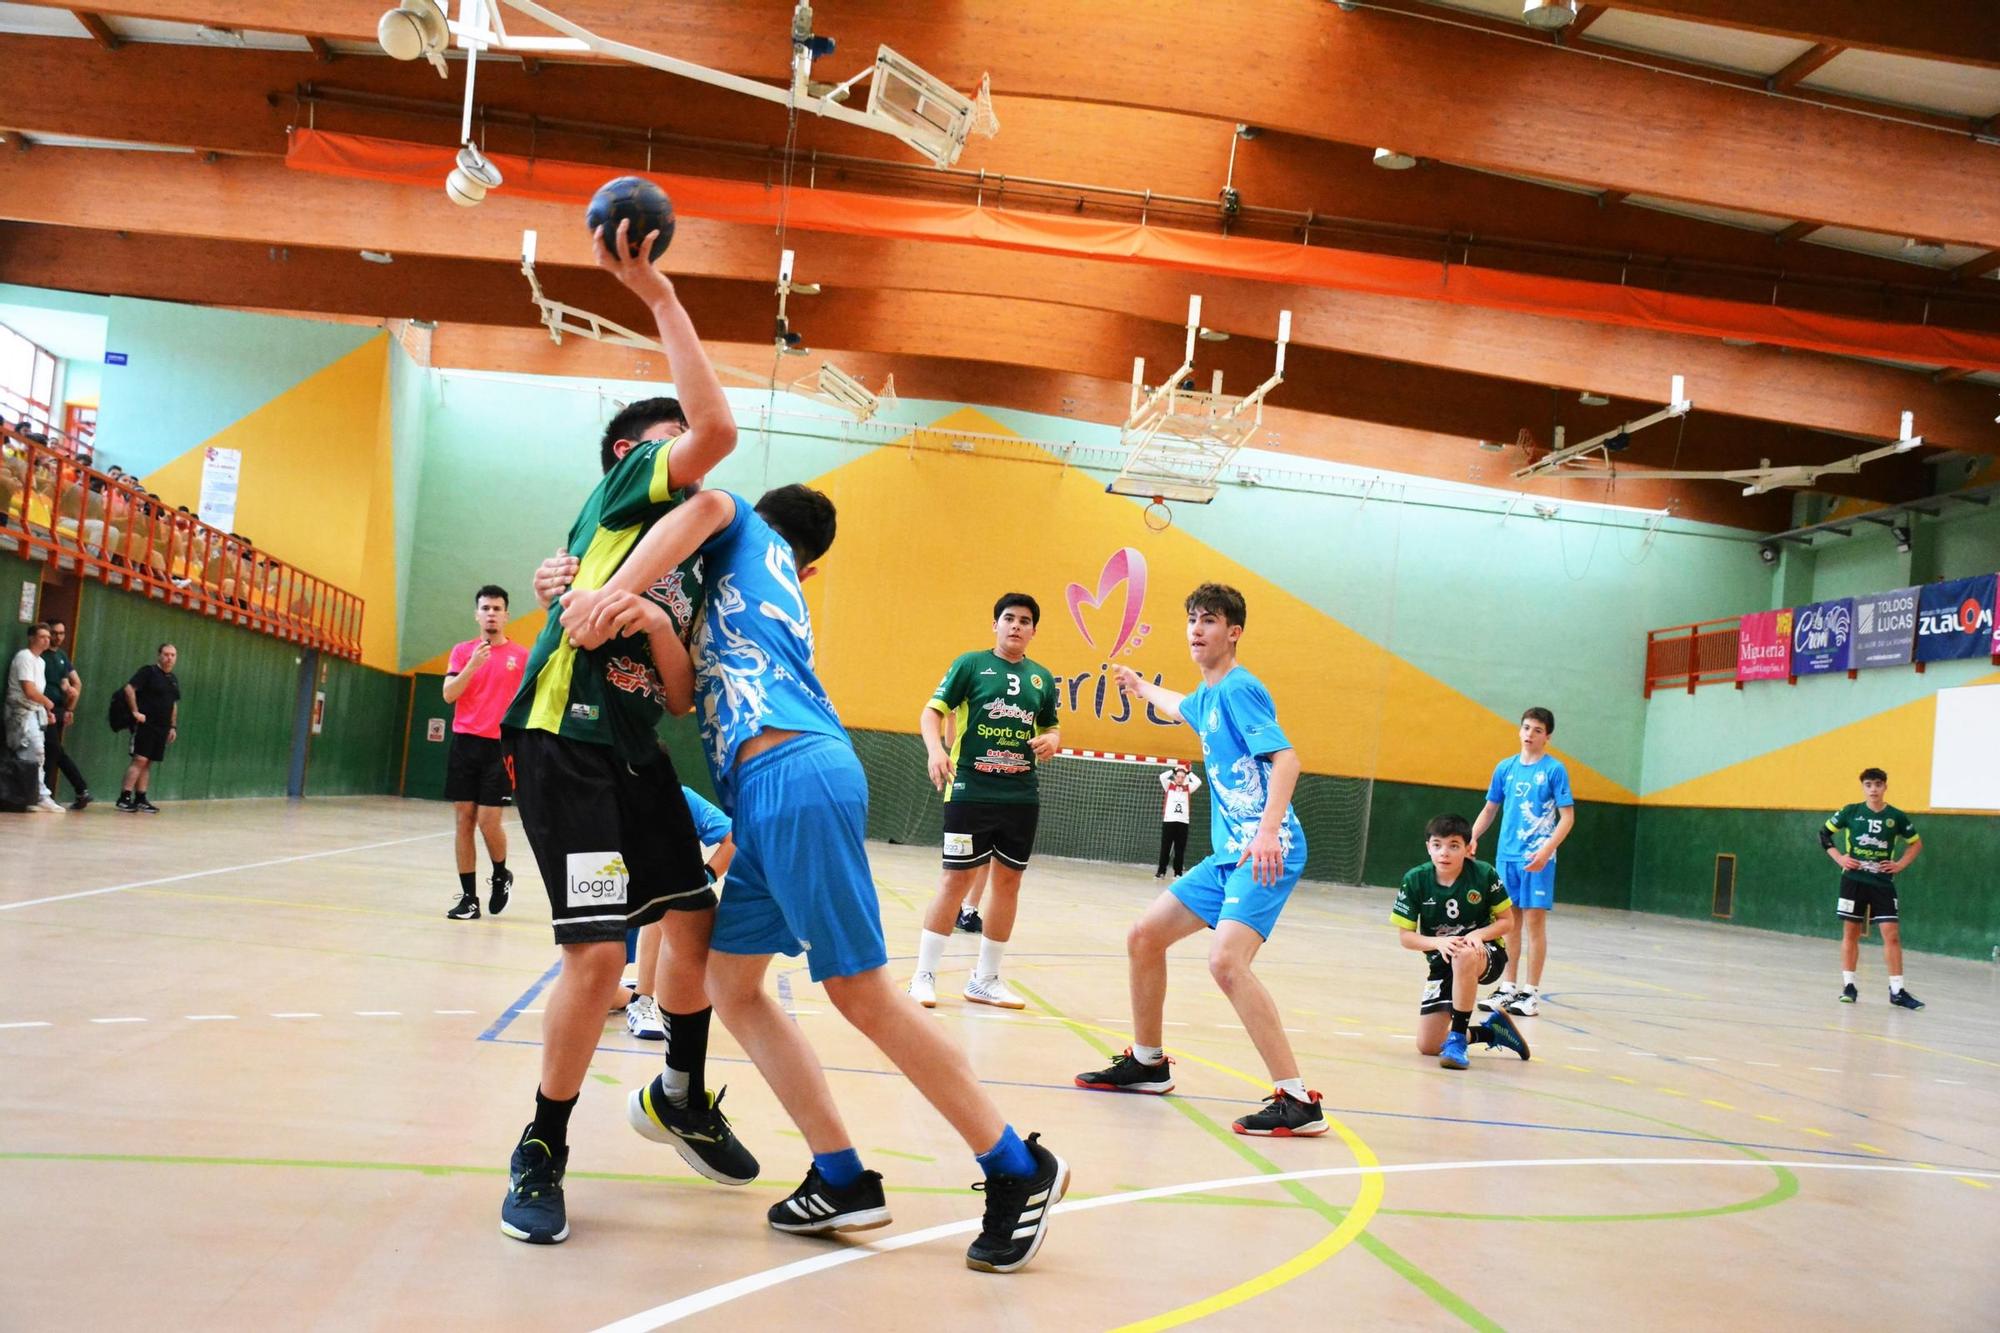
1284,1117
1848,995
1902,999
498,888
816,1208
467,909
968,922
1499,1030
701,1136
144,806
1128,1073
125,803
533,1209
1017,1212
83,798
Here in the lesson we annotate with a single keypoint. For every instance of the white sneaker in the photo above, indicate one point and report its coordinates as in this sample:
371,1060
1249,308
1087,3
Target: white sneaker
1505,991
642,1019
923,989
991,990
1523,1004
45,806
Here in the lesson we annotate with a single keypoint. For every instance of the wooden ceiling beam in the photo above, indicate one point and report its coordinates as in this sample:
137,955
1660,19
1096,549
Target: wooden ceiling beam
1798,231
100,31
1956,31
1979,267
322,48
1802,67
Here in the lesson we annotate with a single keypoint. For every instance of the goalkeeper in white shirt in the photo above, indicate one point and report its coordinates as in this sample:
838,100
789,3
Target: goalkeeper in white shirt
1180,784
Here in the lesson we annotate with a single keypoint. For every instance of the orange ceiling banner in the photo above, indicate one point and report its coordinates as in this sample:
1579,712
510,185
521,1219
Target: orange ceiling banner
807,209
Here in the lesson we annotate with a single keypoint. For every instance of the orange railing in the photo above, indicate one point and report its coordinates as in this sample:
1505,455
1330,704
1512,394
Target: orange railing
55,508
1691,655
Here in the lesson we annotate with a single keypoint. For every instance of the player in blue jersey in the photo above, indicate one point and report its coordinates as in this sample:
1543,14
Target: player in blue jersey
787,773
1530,795
1260,852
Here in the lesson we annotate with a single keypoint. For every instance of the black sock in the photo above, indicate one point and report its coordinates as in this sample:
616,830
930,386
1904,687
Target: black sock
687,1050
499,868
551,1124
465,878
126,795
1459,1018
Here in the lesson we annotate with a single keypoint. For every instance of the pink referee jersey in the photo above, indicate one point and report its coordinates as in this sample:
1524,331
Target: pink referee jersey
479,710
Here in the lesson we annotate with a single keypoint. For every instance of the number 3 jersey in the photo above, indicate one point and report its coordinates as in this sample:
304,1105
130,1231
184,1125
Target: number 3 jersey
1465,905
996,707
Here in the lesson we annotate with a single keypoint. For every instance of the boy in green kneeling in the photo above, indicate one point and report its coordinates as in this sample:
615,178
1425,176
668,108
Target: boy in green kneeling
1455,910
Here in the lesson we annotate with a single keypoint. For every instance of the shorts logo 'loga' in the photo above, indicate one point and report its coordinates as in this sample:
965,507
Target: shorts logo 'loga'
596,878
958,844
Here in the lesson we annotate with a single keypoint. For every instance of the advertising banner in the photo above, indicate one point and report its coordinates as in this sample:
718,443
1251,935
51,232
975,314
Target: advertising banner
221,470
1955,619
1822,636
1764,646
1885,629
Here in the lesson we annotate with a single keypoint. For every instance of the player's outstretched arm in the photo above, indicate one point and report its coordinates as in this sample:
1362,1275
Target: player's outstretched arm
591,616
1131,682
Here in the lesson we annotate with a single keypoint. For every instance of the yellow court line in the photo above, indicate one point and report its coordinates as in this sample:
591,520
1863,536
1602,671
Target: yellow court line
1771,1118
1620,1078
1671,1092
1820,1132
1976,1184
1869,1147
1579,1069
1710,1101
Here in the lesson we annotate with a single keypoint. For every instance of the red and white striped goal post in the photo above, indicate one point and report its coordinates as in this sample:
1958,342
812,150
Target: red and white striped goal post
1152,760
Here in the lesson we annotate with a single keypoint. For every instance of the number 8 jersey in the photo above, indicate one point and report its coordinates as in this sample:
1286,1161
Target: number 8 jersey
996,707
1465,905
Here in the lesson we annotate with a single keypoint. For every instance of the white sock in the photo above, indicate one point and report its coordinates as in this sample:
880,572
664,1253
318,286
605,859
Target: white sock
1295,1088
1895,985
930,951
1847,978
1147,1055
971,904
674,1082
989,956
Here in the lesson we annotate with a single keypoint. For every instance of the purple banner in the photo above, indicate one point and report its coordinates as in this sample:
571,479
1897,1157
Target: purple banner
1764,646
1822,635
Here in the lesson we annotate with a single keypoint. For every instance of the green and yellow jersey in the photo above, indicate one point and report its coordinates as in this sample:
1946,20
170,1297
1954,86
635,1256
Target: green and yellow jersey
1458,908
996,707
1871,837
610,695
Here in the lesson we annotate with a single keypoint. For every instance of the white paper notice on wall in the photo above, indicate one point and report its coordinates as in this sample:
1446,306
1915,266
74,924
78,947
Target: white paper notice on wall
27,601
221,470
435,731
1965,773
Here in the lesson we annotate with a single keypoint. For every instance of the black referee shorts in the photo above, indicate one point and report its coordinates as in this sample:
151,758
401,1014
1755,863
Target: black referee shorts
476,770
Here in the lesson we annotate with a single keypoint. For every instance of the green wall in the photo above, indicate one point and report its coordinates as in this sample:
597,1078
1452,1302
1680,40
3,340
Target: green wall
359,751
423,770
1595,862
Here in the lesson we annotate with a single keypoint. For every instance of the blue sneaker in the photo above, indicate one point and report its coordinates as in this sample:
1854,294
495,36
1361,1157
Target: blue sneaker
1499,1030
1453,1055
1902,999
533,1209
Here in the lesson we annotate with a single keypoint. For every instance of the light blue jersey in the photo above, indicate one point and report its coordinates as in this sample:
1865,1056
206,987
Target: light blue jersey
1239,731
1530,797
710,824
753,647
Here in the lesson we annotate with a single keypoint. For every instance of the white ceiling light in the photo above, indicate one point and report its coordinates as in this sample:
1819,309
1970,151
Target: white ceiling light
1923,252
1589,399
1208,335
1548,15
378,256
1390,160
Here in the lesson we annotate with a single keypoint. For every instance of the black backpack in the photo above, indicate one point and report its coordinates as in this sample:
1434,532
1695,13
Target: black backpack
120,715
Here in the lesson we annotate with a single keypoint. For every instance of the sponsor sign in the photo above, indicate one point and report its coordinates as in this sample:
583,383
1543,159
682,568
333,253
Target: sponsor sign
1955,619
1822,635
1764,646
1885,629
116,359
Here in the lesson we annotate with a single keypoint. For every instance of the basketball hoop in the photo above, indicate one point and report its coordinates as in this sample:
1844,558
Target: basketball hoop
1161,521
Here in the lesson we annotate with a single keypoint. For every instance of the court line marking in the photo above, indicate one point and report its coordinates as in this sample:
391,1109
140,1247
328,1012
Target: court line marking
220,870
721,1294
26,1025
117,1020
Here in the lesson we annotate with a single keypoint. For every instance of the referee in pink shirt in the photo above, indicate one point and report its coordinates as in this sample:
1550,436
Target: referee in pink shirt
480,682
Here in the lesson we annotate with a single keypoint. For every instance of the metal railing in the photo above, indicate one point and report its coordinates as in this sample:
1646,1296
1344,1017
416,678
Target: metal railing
55,508
1692,655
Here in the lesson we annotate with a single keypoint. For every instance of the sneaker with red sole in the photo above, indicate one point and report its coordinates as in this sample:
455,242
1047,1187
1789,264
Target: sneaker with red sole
1284,1117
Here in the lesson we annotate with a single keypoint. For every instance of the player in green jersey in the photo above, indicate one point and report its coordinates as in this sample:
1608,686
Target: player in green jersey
1002,706
1455,910
1862,839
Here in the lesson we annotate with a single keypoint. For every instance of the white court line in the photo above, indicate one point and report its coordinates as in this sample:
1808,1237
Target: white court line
295,1015
1701,1059
1952,1082
1877,1075
220,870
1591,1049
1762,1064
27,1025
1822,1069
211,1018
453,1011
117,1020
378,1013
674,1311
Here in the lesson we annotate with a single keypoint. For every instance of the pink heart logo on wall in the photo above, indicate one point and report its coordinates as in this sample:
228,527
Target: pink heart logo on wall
1125,566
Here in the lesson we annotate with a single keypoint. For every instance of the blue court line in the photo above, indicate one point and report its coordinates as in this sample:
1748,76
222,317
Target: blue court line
513,1010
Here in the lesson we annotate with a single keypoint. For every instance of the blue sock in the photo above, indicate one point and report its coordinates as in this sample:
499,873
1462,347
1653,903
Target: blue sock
1008,1157
838,1169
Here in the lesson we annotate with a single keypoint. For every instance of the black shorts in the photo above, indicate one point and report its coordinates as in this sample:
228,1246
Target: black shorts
476,770
149,743
1437,993
615,844
977,830
1860,900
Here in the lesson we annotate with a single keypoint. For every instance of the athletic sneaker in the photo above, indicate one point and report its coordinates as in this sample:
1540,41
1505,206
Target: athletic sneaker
1500,1031
1017,1212
467,908
48,805
816,1208
1902,999
1128,1073
83,798
642,1019
991,990
1522,1004
498,889
702,1137
144,806
923,989
124,803
533,1209
1284,1116
1848,995
1452,1055
968,922
1505,991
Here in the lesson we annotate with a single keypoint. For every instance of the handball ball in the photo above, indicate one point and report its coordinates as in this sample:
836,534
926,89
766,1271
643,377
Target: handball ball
642,204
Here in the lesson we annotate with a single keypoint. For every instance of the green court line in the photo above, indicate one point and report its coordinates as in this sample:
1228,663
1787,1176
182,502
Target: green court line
906,1156
1332,1213
604,1078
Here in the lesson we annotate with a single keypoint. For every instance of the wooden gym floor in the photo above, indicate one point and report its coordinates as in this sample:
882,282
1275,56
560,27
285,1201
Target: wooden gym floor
254,1079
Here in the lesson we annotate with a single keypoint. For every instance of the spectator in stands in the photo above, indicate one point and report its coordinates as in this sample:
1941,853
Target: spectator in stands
27,708
154,696
65,690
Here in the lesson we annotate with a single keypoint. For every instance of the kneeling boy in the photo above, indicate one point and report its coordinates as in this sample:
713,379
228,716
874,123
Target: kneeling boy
1456,911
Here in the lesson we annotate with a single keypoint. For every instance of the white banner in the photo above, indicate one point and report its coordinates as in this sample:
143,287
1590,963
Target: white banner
220,471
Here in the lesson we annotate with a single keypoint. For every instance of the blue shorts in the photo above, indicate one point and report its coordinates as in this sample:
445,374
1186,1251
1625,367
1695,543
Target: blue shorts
1219,890
1526,891
800,882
